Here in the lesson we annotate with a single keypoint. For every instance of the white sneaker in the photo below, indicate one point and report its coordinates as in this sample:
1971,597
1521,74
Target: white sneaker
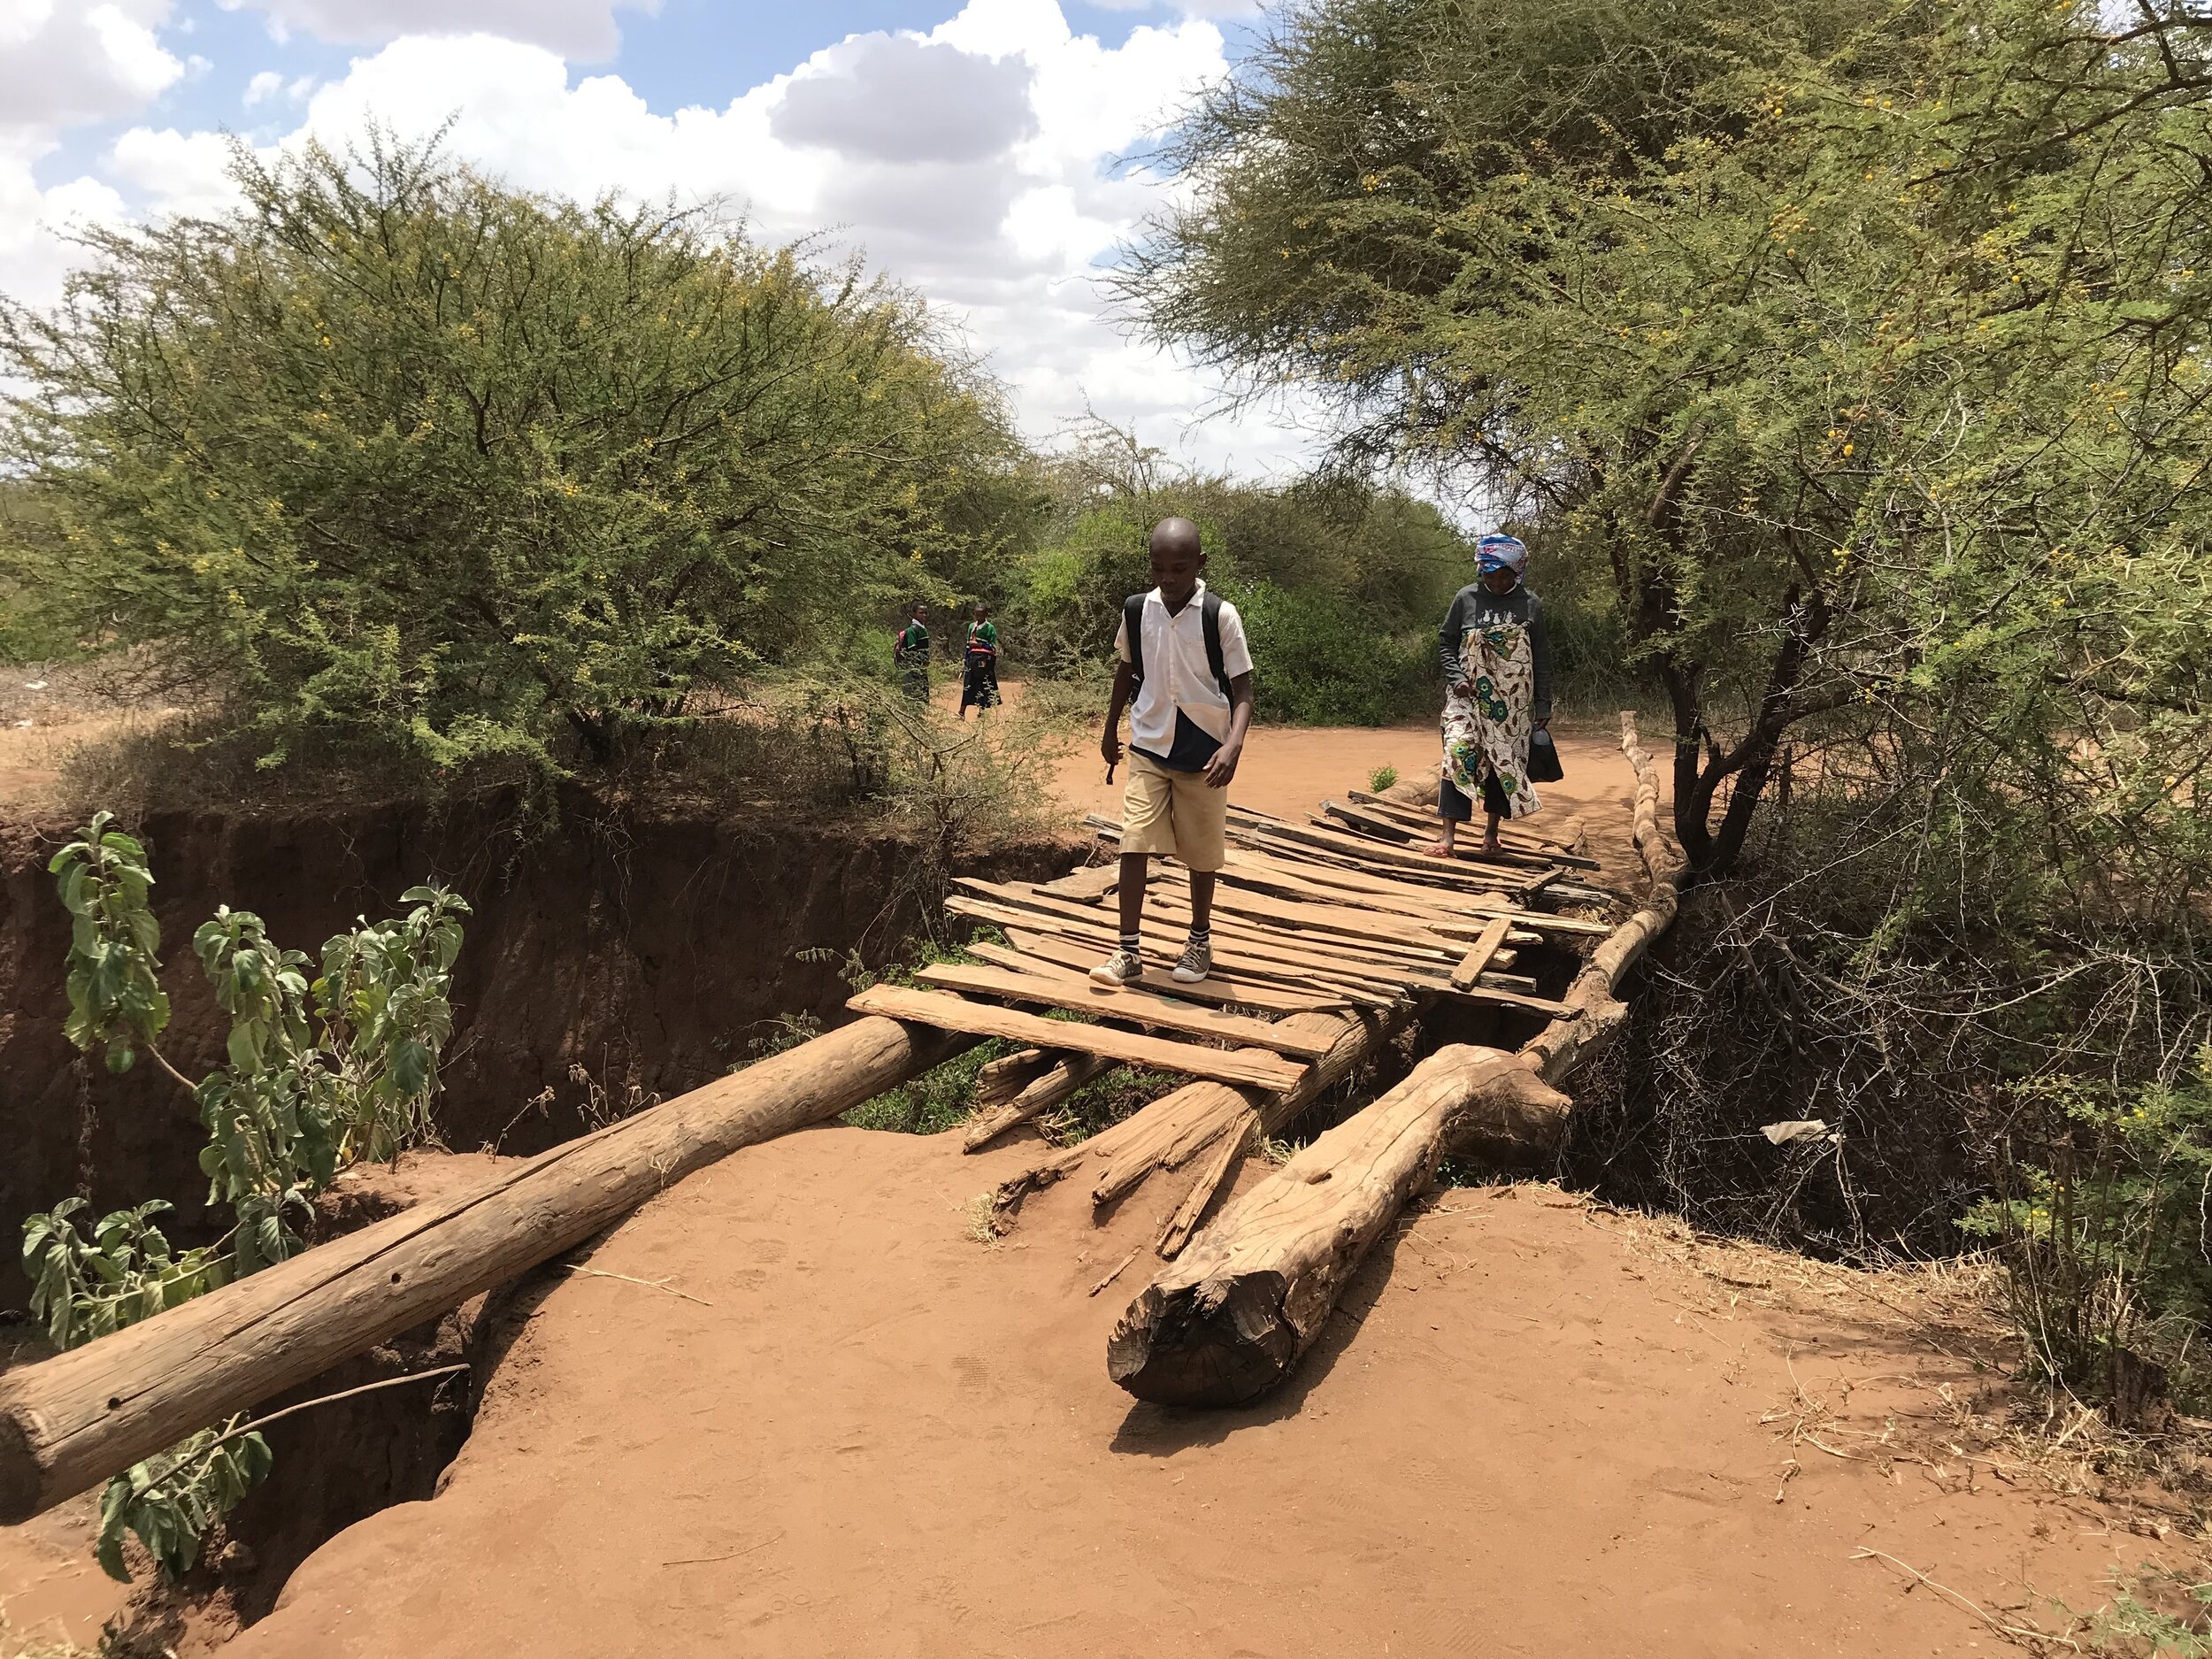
1124,967
1197,963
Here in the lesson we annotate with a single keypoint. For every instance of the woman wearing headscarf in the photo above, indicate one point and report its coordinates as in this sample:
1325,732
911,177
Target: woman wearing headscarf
1497,675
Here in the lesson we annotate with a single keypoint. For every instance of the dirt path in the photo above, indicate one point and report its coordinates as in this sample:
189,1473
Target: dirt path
1535,1429
1287,768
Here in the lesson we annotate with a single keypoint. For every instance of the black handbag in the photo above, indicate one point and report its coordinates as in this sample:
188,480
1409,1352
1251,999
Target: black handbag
1543,758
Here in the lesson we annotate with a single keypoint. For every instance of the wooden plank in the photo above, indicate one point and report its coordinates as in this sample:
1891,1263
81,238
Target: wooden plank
1333,992
1084,995
1381,940
1283,964
1444,908
1365,821
1256,1069
1378,857
1384,855
1395,855
1532,846
1040,951
1326,952
1088,885
1348,917
1521,1000
1477,958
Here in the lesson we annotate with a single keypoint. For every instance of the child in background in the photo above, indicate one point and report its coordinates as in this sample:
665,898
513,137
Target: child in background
1183,658
910,654
979,683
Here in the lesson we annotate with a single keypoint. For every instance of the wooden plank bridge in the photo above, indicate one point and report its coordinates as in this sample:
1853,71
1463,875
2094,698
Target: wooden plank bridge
1330,935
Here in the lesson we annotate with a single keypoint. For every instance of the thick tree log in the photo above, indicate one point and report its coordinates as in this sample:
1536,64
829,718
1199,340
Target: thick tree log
1230,1318
70,1421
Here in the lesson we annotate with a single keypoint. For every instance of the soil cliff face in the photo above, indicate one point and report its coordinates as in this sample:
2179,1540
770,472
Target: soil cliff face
650,950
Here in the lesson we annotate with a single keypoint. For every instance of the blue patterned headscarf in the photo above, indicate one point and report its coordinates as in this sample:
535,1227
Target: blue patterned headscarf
1502,553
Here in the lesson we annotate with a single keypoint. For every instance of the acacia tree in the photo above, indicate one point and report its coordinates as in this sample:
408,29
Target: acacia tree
395,455
1858,344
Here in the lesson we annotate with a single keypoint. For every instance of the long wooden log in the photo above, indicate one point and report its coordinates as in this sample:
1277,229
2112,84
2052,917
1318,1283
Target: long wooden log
73,1420
1230,1318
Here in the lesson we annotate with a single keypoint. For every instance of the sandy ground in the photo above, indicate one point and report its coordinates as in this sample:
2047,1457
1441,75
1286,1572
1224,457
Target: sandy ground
50,1589
1288,770
1534,1428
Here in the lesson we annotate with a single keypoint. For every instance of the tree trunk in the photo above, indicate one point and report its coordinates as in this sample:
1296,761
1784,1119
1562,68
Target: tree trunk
70,1421
1229,1320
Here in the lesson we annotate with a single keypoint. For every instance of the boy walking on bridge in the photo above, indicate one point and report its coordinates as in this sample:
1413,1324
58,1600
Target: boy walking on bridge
1184,660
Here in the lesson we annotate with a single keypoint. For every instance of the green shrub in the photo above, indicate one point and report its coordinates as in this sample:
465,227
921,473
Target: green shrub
2103,1239
399,460
1318,660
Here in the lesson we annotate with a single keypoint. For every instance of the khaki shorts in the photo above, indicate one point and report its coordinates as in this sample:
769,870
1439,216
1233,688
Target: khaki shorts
1177,812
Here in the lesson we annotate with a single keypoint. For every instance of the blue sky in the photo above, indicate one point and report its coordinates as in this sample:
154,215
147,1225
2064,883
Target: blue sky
966,147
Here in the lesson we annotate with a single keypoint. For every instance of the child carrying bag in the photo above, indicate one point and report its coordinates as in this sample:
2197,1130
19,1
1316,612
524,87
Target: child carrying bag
1543,757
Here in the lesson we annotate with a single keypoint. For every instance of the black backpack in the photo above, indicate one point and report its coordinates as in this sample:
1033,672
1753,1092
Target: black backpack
1209,623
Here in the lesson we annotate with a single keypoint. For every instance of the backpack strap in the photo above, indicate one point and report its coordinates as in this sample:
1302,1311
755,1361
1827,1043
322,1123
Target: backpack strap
1133,621
1209,625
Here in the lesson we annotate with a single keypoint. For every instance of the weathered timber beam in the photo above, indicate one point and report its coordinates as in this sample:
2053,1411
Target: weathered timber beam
1231,1317
82,1415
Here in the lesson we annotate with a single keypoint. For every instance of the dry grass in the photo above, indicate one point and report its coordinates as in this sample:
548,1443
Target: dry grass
980,1218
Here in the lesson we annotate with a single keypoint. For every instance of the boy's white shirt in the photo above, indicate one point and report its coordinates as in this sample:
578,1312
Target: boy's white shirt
1176,672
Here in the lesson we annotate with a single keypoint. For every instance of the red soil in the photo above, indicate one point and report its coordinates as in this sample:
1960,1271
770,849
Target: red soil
1534,1428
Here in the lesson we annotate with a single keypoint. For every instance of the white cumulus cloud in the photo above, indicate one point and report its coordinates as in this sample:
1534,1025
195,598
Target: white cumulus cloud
583,29
63,61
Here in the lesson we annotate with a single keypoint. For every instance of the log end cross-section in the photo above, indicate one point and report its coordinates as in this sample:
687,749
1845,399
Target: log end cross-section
1229,1320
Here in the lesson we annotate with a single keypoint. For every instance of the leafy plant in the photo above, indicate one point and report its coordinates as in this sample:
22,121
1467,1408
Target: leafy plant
319,1074
174,1497
1381,779
2108,1262
383,1000
84,1288
116,1002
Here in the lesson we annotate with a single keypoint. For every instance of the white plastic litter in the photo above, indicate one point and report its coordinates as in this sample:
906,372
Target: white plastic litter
1796,1129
